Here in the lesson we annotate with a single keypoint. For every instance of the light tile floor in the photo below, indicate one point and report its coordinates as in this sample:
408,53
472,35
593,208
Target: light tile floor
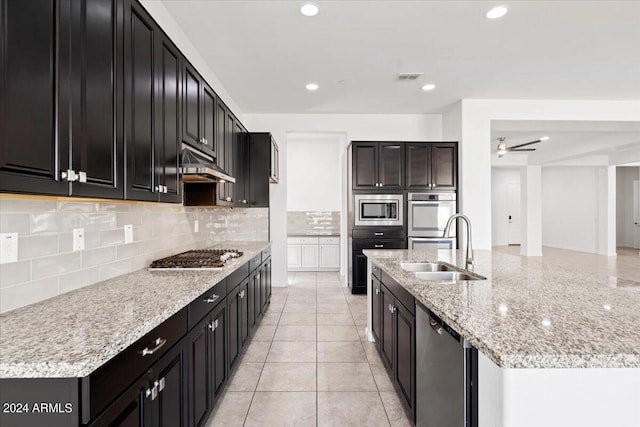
308,364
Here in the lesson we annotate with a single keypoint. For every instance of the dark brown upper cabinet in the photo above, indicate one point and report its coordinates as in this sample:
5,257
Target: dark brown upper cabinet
152,109
378,165
61,69
198,111
432,165
260,173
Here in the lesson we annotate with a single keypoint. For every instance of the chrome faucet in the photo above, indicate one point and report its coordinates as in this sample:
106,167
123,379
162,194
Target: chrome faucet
469,259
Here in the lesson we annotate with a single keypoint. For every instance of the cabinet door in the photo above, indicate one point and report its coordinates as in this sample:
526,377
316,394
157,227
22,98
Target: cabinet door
208,120
168,138
329,256
444,166
253,294
294,256
365,165
233,325
240,147
243,314
191,106
229,157
219,350
128,410
418,163
264,287
95,88
391,165
405,353
220,116
170,375
387,344
274,176
310,256
139,34
28,144
267,279
376,306
359,279
200,373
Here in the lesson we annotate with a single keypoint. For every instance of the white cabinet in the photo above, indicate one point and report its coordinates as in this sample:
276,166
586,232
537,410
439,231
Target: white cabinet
313,253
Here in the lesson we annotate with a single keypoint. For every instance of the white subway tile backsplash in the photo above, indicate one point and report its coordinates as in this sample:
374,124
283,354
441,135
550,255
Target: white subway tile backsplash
37,246
28,293
47,266
93,257
14,273
55,265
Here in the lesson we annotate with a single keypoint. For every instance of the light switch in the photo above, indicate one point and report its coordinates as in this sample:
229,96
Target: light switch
78,239
8,247
128,233
196,226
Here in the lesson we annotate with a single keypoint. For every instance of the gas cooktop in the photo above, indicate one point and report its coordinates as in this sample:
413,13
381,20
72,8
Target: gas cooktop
204,259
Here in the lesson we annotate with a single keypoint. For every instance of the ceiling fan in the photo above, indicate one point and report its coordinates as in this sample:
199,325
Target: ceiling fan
503,149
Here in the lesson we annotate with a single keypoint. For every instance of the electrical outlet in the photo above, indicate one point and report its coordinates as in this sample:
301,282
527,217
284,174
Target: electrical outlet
196,226
78,239
8,247
128,233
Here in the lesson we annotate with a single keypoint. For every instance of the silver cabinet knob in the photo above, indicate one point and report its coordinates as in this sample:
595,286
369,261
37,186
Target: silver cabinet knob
70,175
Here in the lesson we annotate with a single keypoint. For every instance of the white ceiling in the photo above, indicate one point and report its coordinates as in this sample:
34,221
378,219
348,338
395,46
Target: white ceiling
568,141
264,52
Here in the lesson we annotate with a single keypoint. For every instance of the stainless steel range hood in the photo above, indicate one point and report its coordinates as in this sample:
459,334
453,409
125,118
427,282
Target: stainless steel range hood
199,167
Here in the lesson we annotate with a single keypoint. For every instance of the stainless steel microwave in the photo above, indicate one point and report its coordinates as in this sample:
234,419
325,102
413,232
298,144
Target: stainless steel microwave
379,210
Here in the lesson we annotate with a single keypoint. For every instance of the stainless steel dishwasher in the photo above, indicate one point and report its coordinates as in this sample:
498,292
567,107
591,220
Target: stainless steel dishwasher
446,375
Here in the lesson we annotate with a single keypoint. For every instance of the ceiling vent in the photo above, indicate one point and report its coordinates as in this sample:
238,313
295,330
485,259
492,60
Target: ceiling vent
408,77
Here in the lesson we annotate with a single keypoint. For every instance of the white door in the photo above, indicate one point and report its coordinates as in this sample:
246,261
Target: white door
636,214
294,256
310,256
513,214
330,256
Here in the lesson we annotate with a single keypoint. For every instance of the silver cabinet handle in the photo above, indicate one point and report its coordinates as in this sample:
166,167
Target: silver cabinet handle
161,384
159,342
82,176
378,234
153,391
435,326
157,189
213,298
204,141
241,294
228,199
213,325
244,201
379,246
377,291
70,175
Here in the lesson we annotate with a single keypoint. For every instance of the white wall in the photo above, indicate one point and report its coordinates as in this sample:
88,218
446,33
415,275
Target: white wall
570,201
314,172
395,127
624,204
500,177
159,12
475,116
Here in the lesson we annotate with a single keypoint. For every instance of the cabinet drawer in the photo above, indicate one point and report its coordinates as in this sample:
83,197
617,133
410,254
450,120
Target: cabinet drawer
329,240
302,240
266,254
202,305
360,244
255,262
107,382
379,234
399,292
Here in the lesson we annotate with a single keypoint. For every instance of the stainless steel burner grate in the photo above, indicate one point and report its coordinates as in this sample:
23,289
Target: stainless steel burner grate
197,259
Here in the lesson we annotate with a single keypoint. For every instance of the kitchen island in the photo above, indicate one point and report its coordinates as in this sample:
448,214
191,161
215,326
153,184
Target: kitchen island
556,346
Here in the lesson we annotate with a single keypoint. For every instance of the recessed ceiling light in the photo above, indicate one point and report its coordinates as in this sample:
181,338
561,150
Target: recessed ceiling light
428,87
497,12
312,86
309,9
544,138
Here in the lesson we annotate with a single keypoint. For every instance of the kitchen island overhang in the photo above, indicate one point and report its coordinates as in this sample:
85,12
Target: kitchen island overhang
556,346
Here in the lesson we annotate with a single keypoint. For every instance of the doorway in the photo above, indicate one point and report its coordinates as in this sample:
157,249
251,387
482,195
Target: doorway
514,225
628,207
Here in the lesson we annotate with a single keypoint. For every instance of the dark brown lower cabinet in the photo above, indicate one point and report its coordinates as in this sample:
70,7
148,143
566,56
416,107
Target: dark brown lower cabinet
265,284
394,328
158,398
207,364
237,317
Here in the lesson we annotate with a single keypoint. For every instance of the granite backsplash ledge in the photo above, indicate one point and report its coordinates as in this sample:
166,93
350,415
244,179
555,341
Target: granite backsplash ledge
313,223
47,265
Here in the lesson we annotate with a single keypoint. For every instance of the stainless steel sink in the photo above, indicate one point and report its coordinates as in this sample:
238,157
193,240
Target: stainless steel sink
425,266
447,275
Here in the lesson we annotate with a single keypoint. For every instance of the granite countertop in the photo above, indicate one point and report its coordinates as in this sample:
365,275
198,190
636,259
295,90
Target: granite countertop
528,313
75,333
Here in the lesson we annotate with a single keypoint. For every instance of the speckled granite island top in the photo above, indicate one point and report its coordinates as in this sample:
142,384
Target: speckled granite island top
529,314
73,334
